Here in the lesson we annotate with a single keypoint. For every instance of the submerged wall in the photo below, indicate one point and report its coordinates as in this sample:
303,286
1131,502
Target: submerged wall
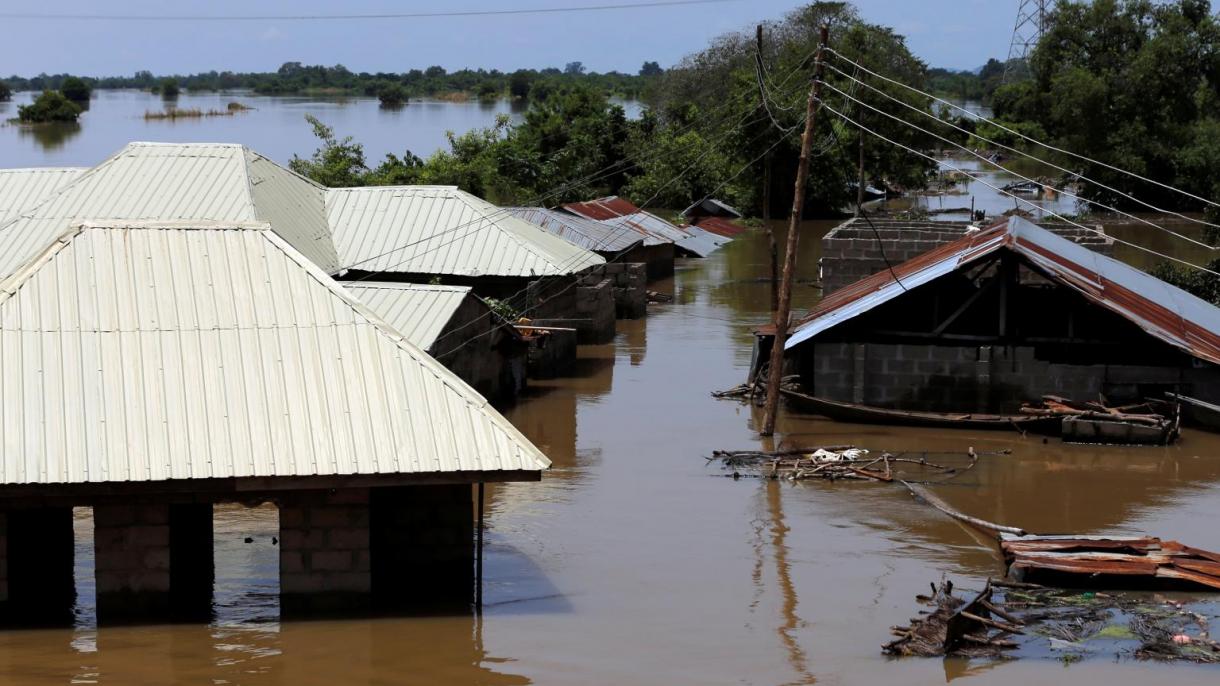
853,251
980,378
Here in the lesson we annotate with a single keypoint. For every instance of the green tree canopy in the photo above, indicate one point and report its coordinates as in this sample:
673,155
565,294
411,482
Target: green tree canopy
50,106
1135,84
75,89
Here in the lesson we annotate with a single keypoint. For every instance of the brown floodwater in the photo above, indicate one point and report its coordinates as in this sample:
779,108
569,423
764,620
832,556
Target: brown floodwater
634,561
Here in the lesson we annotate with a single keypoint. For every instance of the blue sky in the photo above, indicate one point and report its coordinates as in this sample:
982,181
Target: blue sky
950,33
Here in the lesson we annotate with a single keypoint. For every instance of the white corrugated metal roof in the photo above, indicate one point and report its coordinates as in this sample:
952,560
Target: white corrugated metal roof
21,189
589,234
418,311
443,230
178,181
197,350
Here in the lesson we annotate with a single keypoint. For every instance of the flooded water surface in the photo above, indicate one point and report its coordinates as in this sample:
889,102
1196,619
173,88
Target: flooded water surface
635,561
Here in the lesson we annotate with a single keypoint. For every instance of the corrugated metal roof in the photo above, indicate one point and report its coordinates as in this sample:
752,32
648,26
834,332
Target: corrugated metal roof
193,351
22,189
711,207
586,233
720,226
1161,310
443,230
418,311
178,181
620,213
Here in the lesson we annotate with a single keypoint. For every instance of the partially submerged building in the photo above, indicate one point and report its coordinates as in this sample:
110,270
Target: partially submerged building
714,216
621,214
422,233
456,327
1005,315
632,258
151,370
861,247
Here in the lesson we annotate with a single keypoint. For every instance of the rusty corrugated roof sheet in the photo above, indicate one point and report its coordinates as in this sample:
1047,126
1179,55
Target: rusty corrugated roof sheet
1161,310
719,226
621,213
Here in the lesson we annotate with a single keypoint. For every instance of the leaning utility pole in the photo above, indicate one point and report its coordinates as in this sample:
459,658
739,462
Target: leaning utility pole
776,375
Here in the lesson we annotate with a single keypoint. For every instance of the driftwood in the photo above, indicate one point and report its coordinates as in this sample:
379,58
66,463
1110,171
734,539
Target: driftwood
832,463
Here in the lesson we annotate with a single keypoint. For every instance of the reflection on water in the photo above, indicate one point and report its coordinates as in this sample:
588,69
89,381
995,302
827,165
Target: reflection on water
635,561
50,136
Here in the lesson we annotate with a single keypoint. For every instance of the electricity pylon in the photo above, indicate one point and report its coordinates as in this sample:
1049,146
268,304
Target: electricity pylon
1031,22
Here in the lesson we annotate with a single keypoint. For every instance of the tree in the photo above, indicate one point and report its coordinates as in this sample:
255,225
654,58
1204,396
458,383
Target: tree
651,69
75,89
1134,84
392,95
339,163
574,68
488,91
6,93
169,88
434,71
51,106
519,83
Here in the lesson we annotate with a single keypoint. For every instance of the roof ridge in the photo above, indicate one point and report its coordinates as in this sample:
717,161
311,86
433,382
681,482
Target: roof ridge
519,240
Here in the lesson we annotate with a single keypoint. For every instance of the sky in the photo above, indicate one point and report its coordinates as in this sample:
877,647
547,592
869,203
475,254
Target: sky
945,33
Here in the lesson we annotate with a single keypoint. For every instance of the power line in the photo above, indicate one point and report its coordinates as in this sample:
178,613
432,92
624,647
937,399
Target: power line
1028,156
1048,146
1016,197
987,160
357,17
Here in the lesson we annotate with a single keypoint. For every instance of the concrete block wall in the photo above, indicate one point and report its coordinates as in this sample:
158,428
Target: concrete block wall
630,284
595,310
852,251
325,562
132,558
974,378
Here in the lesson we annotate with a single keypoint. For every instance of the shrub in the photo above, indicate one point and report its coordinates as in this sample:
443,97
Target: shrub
392,95
75,89
50,106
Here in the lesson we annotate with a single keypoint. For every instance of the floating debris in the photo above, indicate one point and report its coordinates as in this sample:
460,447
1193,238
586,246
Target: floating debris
1012,620
835,462
1115,562
1146,423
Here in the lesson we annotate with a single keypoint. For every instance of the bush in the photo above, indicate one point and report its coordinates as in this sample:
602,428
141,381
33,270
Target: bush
50,106
75,89
5,92
169,88
392,95
488,91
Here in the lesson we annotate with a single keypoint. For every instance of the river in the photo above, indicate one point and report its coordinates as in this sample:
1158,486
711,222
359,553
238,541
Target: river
635,562
276,125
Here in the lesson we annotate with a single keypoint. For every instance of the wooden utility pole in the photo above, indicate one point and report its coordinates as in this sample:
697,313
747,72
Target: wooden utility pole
766,189
860,180
794,223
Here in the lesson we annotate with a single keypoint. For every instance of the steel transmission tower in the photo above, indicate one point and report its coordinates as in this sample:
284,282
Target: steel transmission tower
1031,22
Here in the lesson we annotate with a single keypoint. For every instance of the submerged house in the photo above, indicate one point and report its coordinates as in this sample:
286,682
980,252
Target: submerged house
173,182
621,214
152,370
714,216
456,327
1004,315
622,244
422,233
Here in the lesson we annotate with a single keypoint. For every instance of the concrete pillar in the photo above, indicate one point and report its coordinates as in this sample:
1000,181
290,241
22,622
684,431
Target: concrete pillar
39,552
324,552
136,547
423,547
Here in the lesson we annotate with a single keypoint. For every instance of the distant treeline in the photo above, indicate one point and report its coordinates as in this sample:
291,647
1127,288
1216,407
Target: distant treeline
977,86
294,78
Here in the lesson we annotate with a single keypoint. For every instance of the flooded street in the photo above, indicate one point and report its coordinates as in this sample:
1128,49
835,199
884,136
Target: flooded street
634,561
